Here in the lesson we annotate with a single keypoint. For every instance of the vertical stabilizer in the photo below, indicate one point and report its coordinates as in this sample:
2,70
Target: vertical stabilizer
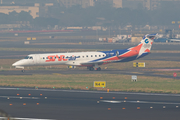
144,47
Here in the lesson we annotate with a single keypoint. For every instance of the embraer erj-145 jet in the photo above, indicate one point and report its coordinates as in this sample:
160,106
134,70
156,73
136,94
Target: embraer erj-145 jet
91,60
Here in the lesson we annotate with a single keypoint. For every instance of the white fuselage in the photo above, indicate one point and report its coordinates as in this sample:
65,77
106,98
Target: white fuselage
74,58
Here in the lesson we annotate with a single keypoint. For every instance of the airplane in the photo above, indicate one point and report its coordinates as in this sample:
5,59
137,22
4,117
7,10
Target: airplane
91,60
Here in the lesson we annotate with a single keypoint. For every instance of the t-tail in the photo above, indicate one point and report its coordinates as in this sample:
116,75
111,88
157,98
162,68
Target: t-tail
144,47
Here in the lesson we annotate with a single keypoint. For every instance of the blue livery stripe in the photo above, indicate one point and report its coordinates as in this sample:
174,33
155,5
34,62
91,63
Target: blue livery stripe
110,54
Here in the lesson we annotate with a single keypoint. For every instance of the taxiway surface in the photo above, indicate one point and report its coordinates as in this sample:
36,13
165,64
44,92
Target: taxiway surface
88,105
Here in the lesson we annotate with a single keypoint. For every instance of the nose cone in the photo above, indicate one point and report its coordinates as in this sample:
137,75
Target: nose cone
19,64
16,64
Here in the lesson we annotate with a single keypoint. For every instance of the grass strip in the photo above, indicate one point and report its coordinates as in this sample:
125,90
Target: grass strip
81,81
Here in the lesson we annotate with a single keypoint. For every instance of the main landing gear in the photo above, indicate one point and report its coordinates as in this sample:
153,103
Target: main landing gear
98,69
92,69
22,70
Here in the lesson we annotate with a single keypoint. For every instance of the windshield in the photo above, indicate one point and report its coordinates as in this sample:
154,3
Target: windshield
27,57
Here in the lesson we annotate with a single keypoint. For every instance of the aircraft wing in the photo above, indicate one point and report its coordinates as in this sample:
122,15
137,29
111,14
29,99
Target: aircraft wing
99,63
80,63
91,63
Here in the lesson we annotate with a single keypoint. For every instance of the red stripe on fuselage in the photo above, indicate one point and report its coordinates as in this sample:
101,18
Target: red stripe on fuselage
125,55
128,54
137,48
112,58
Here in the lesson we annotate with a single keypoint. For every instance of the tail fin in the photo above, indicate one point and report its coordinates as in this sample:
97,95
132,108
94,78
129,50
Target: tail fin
144,46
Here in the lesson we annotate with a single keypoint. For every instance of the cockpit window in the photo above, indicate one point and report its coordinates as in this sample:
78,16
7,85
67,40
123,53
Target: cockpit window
27,57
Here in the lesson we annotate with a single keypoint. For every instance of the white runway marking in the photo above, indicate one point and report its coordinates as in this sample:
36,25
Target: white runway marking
146,102
110,101
9,97
3,118
81,91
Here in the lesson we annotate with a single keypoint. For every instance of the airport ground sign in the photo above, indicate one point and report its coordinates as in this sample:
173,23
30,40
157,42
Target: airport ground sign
174,74
99,84
139,64
134,78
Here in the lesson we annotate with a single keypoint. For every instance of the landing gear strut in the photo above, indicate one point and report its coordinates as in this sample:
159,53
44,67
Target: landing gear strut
92,69
22,70
98,69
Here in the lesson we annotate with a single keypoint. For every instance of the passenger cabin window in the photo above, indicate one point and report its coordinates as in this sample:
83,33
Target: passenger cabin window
91,55
95,55
86,55
99,55
43,57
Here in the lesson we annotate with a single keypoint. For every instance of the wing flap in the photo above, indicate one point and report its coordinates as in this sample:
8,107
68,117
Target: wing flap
99,63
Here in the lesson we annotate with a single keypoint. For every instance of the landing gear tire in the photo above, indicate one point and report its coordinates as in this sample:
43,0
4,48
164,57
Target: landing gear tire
23,70
91,69
98,69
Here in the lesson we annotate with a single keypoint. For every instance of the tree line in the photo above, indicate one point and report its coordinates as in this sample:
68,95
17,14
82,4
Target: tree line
100,14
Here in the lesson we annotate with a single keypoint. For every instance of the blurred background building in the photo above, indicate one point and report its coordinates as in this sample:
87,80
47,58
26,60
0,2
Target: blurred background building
67,13
70,3
148,4
134,4
32,9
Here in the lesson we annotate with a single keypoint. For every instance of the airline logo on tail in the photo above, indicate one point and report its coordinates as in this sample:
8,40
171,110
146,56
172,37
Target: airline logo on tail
146,44
146,41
